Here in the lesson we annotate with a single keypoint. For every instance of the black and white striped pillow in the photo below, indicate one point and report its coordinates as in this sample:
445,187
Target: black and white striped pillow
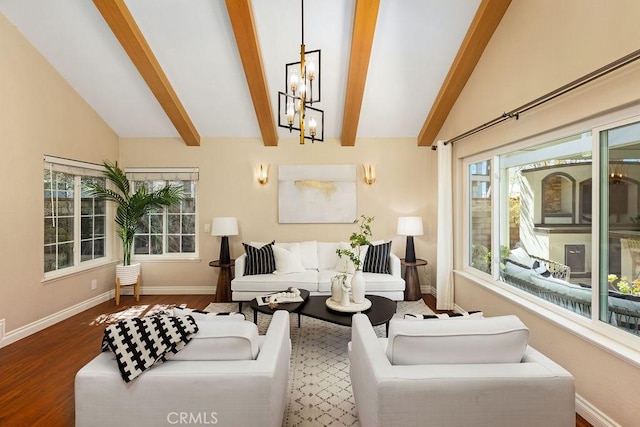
259,260
377,259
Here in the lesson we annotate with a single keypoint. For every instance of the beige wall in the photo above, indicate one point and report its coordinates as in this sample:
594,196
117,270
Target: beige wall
40,115
539,46
228,187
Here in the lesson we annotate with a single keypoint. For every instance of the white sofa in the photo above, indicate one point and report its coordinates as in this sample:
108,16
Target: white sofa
196,391
478,372
321,263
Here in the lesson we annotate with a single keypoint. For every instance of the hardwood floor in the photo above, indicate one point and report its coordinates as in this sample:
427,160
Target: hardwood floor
37,373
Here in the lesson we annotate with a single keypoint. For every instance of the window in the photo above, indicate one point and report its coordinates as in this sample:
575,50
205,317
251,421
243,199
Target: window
538,247
568,222
480,212
74,222
169,231
619,238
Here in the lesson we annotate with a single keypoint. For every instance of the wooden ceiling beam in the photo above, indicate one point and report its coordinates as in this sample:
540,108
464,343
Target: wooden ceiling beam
244,29
364,28
124,27
485,22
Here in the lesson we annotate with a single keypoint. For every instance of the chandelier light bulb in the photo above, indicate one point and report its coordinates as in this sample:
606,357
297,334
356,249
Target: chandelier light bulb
313,126
302,88
311,70
290,112
294,81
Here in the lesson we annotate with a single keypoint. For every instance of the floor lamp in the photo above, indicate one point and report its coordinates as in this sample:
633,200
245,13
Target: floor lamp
225,227
410,226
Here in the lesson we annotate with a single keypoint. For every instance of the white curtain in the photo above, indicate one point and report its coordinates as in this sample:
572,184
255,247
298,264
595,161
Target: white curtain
444,277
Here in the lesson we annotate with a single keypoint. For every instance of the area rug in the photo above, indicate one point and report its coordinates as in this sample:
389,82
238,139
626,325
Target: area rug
319,385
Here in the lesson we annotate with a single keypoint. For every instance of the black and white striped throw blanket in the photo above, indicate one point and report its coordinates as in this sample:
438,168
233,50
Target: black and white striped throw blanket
140,343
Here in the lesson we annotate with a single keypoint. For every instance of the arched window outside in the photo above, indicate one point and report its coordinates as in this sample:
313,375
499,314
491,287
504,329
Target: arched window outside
558,198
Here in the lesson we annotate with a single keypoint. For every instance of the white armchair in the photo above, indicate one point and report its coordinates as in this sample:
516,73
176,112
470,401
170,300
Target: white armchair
534,391
196,391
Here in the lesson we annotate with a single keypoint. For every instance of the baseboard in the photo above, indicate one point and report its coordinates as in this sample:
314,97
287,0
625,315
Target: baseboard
52,319
593,415
172,290
425,289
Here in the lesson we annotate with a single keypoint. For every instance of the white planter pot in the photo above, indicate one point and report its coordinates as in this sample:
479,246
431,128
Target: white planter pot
357,287
128,274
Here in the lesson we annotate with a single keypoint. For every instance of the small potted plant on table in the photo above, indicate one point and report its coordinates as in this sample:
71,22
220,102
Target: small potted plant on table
358,242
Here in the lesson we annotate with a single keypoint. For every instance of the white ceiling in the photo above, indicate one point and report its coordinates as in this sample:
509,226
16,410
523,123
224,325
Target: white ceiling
414,45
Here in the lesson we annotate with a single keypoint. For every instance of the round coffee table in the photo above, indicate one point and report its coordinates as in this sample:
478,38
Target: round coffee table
381,311
291,307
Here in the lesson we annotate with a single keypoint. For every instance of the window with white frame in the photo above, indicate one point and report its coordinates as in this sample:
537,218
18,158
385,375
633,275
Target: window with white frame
480,215
168,231
74,222
568,211
545,244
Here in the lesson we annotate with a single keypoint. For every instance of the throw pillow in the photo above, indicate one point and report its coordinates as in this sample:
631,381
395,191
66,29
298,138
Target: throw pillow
541,269
222,341
501,339
377,259
288,261
521,256
259,260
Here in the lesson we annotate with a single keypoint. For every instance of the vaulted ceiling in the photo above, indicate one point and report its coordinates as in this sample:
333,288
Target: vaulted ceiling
213,68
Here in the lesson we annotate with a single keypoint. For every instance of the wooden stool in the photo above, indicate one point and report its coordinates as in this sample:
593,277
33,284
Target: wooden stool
136,289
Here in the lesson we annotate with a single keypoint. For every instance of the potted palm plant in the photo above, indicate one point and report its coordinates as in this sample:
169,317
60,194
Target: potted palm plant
131,208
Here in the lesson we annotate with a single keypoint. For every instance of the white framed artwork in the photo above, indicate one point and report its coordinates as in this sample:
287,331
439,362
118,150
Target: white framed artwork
311,194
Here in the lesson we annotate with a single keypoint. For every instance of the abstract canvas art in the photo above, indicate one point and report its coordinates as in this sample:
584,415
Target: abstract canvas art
316,194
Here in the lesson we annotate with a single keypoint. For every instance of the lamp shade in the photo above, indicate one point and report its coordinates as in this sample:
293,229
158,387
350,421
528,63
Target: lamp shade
225,226
410,226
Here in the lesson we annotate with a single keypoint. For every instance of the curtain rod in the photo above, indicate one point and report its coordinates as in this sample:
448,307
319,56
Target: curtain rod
515,113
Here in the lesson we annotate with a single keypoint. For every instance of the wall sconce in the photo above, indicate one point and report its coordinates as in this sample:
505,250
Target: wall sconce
263,174
369,173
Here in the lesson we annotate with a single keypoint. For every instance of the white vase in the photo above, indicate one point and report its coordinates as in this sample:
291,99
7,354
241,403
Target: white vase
128,274
336,289
357,287
346,291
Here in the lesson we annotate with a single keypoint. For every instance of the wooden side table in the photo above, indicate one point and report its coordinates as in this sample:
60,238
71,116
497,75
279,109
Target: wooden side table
412,289
223,288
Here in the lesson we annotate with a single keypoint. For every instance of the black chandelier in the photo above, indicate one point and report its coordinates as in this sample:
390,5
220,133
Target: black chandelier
302,83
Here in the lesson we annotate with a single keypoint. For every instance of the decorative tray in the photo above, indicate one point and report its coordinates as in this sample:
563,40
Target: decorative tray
351,308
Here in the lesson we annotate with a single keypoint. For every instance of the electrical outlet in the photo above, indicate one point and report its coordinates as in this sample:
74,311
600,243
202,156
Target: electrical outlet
207,228
94,284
